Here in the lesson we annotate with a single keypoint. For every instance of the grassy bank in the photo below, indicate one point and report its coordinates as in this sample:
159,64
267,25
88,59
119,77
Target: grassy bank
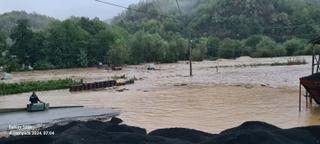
14,88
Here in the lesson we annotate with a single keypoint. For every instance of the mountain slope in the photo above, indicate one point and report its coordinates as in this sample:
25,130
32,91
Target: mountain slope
237,19
36,21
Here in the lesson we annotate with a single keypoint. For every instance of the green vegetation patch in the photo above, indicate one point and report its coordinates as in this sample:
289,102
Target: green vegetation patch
14,88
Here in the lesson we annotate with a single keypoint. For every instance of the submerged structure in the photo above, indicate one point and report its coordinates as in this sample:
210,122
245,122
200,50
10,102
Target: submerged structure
93,86
312,83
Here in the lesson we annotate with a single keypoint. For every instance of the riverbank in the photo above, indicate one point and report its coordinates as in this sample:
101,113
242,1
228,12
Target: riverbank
113,132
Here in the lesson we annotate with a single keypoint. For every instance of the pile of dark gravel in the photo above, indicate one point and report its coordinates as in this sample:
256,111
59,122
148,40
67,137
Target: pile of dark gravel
96,132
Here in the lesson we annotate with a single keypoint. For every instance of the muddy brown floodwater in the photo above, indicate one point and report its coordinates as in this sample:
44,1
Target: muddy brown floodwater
209,101
207,108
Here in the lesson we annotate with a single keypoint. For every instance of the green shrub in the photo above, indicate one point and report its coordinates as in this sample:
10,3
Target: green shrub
293,46
43,65
230,48
14,88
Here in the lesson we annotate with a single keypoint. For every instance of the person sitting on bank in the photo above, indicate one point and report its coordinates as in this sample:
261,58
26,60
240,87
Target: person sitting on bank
34,98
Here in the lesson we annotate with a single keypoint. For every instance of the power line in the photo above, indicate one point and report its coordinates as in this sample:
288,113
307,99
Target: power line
179,8
116,5
137,10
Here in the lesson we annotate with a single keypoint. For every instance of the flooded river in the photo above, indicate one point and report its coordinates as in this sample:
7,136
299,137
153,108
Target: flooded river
162,99
207,108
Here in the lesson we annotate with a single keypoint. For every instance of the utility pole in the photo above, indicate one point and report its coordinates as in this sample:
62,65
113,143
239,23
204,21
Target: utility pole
190,55
188,34
315,61
313,57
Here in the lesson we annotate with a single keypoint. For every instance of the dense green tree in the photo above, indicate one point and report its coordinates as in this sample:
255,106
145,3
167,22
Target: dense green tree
294,46
3,44
172,53
99,45
177,50
9,64
250,45
69,45
9,20
146,47
152,26
137,46
83,58
213,46
22,38
309,49
182,49
230,48
253,41
118,54
39,48
93,26
267,47
199,51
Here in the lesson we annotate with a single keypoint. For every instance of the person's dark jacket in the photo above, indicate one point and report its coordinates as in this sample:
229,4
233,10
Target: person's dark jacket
34,98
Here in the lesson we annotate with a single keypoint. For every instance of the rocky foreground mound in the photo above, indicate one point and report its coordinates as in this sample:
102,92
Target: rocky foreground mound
112,132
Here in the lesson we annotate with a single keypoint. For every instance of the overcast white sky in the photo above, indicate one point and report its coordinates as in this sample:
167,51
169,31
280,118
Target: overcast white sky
63,9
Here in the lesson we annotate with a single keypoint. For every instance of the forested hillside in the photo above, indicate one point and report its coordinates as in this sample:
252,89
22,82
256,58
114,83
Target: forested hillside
158,31
236,19
36,21
229,28
76,42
